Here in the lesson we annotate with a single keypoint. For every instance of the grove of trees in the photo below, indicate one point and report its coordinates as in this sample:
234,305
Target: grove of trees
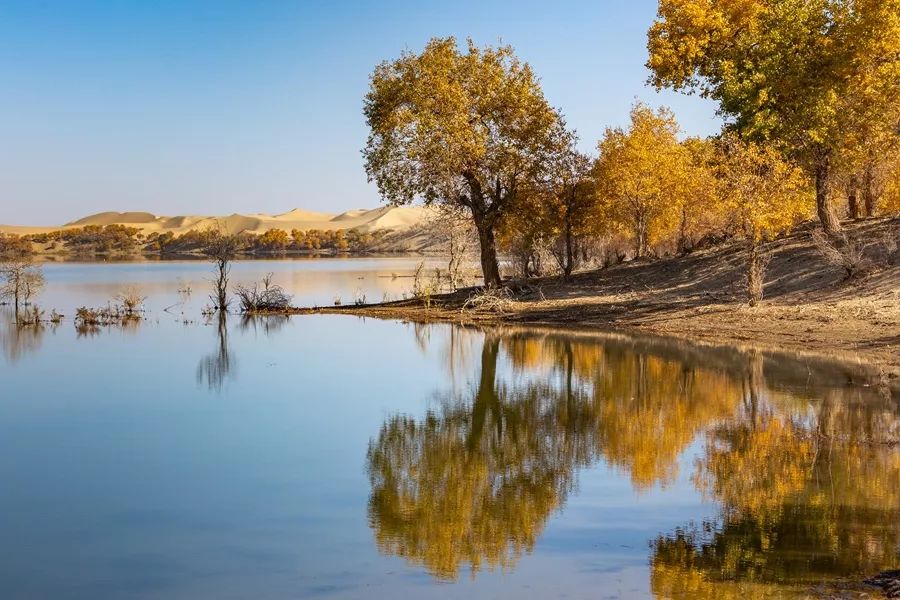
807,90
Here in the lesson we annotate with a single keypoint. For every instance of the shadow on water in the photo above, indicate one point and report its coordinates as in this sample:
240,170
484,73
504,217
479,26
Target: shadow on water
800,458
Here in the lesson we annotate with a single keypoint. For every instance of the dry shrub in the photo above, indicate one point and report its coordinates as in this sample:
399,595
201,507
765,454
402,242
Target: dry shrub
493,300
131,300
270,297
110,315
756,276
425,287
30,316
840,251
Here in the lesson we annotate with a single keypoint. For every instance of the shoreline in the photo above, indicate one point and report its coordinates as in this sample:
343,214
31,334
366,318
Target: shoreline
810,306
794,338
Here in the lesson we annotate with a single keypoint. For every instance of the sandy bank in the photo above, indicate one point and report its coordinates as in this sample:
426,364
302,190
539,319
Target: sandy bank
810,307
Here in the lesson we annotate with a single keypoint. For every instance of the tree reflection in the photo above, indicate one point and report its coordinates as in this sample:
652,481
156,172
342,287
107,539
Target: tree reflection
809,492
643,410
474,482
267,324
807,480
18,341
215,368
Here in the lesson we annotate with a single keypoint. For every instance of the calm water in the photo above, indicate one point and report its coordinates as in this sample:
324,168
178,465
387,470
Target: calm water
336,457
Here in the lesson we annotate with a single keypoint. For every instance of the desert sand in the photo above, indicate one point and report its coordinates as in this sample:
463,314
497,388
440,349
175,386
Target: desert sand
385,218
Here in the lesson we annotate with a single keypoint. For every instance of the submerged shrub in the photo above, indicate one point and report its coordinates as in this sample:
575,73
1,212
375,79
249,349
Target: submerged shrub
263,297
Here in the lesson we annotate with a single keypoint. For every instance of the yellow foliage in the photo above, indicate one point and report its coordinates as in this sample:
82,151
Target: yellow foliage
644,176
763,194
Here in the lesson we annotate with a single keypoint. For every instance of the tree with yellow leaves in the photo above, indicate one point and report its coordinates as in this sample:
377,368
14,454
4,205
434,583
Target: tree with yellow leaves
276,240
812,76
764,195
467,129
642,176
701,210
554,216
572,203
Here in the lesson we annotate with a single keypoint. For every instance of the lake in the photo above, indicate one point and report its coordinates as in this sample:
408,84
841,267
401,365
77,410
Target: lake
331,456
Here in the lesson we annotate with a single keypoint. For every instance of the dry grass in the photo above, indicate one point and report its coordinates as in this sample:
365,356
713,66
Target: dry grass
487,300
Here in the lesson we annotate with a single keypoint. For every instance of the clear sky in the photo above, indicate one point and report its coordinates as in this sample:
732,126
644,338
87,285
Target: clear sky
184,107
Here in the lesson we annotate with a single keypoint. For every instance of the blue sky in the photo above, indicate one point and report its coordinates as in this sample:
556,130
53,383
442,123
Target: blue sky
180,107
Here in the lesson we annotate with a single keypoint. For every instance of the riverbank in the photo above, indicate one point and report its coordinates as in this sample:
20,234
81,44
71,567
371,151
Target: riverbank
810,305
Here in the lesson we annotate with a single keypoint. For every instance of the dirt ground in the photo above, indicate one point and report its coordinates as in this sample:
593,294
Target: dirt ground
810,306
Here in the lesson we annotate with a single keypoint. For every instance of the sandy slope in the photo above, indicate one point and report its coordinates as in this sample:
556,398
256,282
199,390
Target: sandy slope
810,306
365,220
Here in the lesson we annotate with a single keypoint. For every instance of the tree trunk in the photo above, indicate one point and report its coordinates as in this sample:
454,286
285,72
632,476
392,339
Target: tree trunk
870,200
827,218
16,293
640,239
490,268
682,235
570,251
853,205
754,274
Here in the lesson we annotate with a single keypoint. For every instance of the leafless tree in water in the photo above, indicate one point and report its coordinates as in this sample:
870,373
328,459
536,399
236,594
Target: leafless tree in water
221,249
21,281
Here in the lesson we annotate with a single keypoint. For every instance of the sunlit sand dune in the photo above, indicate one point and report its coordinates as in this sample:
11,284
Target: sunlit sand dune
385,218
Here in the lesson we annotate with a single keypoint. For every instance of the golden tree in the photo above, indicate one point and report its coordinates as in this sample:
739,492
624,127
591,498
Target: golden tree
468,129
274,239
571,204
809,75
643,175
765,196
701,209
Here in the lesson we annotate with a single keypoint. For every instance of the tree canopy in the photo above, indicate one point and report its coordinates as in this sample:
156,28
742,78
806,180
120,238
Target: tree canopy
811,76
466,128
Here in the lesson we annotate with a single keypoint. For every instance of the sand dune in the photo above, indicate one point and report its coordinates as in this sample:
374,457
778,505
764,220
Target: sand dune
109,218
385,218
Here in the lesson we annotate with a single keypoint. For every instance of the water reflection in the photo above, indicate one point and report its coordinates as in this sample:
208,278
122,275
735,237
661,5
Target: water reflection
803,467
265,324
17,341
473,482
214,368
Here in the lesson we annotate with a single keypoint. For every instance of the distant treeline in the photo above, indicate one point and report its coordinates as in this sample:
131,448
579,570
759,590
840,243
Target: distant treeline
120,239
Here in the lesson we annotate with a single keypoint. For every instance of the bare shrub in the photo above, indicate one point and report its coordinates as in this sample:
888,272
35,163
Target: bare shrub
453,228
30,316
264,297
757,264
840,251
424,287
113,314
131,300
493,300
22,281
